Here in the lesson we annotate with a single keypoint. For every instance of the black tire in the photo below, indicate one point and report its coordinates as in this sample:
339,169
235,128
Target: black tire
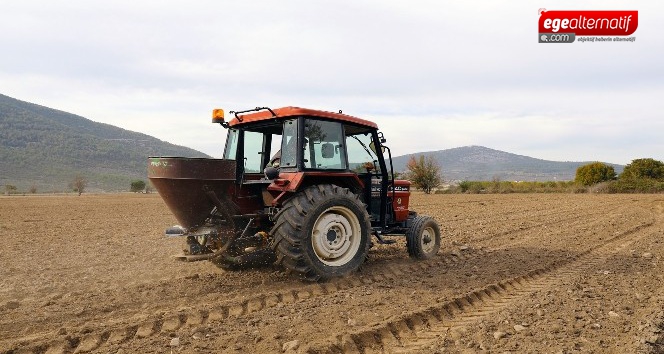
322,232
423,238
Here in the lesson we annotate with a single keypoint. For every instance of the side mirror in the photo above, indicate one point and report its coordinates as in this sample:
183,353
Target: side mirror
327,150
271,172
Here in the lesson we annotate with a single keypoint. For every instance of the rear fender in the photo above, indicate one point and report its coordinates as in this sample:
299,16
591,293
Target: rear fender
289,183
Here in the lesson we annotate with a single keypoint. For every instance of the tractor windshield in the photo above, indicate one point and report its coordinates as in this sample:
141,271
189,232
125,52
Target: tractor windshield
360,155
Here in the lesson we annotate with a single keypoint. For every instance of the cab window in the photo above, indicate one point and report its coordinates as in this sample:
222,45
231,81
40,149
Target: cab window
288,153
253,152
323,145
230,153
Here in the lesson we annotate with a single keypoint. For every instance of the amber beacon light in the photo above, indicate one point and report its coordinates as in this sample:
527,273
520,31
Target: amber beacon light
218,115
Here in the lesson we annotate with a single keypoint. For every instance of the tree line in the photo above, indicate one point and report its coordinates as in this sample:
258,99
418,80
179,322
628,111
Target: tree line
79,184
645,175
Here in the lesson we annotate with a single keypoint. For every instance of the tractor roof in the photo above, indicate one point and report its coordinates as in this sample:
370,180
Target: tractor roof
290,112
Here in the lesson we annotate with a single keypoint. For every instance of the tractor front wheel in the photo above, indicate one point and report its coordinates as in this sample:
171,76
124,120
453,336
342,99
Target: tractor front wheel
423,238
322,232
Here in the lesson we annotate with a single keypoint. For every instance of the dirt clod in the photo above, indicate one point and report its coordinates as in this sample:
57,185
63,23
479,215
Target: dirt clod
290,346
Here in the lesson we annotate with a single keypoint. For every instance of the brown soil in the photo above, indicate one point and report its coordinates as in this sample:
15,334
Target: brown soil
516,273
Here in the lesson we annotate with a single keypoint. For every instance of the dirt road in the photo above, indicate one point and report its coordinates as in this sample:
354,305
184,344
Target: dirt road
517,273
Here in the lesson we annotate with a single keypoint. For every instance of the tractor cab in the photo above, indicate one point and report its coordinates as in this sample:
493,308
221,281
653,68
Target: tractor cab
291,148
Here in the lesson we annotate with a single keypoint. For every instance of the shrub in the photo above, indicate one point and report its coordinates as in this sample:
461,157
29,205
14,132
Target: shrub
424,173
10,189
644,168
503,187
603,187
642,185
137,186
594,173
79,183
464,186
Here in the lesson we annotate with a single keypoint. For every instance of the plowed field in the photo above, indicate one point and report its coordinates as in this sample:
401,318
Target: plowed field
517,273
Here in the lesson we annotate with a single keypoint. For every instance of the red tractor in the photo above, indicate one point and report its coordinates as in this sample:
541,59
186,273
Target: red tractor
304,188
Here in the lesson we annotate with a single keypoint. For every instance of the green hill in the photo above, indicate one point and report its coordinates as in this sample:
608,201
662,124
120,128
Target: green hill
478,163
46,148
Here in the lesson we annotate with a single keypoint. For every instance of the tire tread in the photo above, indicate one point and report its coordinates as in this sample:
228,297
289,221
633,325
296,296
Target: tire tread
289,234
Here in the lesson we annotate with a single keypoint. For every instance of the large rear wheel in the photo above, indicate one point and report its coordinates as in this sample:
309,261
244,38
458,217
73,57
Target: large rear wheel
322,232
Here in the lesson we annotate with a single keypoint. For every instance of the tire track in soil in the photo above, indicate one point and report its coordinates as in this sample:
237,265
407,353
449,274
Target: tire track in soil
656,344
577,219
524,214
196,317
561,218
498,219
580,223
417,330
128,329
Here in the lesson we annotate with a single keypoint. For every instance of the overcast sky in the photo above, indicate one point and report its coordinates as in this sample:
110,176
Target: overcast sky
433,74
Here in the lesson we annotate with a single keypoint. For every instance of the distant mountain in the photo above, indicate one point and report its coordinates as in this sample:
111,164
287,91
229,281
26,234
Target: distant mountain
46,148
478,163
